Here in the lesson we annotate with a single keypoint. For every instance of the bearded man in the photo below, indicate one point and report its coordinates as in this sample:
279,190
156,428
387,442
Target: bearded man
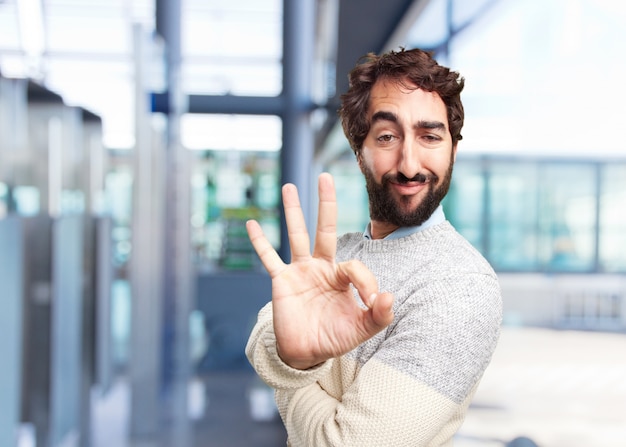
380,338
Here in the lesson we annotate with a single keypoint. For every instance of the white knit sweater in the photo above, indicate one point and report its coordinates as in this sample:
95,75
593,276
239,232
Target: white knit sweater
411,384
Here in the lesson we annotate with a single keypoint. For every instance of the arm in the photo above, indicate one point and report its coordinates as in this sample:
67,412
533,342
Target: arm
415,389
380,408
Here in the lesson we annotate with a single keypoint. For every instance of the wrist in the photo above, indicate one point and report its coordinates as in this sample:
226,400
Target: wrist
297,363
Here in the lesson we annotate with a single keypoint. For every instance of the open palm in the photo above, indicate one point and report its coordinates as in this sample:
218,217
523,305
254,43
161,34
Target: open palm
315,314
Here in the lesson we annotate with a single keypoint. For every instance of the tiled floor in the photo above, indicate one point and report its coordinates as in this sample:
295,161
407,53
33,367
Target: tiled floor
228,420
225,421
558,388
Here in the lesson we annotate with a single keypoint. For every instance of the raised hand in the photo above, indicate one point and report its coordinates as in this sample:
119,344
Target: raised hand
315,314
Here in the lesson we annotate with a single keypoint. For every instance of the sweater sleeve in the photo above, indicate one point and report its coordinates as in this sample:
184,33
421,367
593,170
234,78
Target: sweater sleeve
263,356
416,387
381,408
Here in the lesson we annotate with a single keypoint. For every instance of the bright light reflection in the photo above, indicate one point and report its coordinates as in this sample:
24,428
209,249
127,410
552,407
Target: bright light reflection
231,132
30,16
537,72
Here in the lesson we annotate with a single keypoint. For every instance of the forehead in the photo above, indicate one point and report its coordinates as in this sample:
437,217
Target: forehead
406,100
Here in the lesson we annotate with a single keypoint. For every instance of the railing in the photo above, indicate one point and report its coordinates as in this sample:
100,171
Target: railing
591,309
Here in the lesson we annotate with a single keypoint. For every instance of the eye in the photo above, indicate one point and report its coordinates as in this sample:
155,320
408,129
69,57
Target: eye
431,138
386,138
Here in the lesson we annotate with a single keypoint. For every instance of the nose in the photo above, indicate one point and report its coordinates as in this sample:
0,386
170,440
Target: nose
409,163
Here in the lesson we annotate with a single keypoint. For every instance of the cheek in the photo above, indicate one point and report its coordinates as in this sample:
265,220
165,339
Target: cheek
438,163
378,164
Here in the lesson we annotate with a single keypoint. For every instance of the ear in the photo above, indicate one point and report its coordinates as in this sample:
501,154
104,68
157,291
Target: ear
454,151
359,159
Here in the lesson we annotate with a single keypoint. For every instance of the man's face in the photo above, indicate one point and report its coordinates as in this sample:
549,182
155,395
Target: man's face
407,156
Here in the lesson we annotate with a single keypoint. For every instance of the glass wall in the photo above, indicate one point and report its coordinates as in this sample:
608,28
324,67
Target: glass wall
524,215
511,239
541,215
351,195
612,234
228,188
235,177
218,61
567,217
466,208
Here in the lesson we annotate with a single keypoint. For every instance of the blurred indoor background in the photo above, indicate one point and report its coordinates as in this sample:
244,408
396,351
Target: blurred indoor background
136,137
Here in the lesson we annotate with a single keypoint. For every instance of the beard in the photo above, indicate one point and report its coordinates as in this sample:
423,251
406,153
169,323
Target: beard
384,207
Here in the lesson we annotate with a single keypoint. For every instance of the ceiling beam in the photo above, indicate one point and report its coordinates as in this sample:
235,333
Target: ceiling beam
370,26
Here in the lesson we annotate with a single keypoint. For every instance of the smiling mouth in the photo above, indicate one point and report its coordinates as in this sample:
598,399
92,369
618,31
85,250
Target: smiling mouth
412,183
410,188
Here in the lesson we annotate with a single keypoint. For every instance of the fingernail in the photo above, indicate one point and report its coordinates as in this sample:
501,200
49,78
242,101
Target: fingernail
372,299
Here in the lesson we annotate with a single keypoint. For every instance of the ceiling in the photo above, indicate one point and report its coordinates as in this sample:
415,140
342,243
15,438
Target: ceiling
83,49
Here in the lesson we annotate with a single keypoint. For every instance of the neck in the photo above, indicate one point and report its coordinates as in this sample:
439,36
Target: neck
381,230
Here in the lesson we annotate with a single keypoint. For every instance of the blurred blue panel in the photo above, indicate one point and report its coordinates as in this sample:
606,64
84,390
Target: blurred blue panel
105,360
66,323
11,286
230,302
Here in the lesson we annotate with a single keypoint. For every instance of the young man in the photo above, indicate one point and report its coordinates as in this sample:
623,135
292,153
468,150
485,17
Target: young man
380,338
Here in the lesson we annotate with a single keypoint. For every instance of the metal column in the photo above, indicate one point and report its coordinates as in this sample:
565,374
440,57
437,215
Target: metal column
177,268
145,272
298,136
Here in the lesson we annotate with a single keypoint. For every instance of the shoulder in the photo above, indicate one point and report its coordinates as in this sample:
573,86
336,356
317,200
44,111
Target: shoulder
349,245
454,249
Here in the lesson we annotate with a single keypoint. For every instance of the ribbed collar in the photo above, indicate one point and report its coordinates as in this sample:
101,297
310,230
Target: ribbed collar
435,218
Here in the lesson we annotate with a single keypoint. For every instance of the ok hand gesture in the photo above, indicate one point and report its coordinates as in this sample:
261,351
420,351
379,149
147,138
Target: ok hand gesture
315,314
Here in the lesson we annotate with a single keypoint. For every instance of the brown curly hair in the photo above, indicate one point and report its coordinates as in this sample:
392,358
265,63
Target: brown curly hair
412,68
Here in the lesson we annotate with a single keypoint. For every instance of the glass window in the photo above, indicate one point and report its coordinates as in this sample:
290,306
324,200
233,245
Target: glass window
228,188
232,47
612,237
567,216
235,178
464,205
352,203
442,17
535,215
512,215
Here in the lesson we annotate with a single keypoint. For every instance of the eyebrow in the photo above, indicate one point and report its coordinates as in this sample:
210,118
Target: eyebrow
383,115
433,125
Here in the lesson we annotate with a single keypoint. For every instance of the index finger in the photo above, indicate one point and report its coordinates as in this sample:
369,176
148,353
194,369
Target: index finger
326,233
264,249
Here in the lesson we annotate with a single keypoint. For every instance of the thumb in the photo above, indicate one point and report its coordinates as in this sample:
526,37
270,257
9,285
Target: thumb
381,310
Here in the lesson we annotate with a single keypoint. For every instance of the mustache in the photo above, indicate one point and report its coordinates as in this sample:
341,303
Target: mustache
417,178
